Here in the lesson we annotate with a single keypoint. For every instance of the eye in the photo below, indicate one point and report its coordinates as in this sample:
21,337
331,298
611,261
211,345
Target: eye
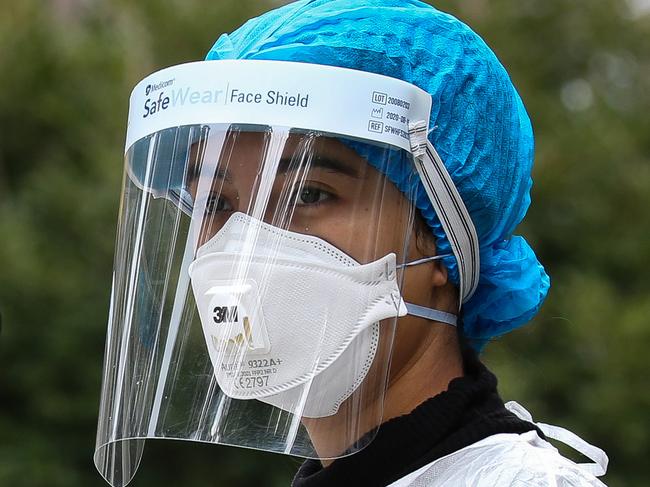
310,195
214,204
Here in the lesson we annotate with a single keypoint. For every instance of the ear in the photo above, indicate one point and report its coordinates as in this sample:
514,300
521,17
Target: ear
440,275
426,245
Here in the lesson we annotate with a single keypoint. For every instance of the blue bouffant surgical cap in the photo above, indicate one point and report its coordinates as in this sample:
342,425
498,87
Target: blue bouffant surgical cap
480,127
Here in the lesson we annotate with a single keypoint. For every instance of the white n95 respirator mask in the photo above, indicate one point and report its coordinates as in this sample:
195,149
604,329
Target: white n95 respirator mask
296,324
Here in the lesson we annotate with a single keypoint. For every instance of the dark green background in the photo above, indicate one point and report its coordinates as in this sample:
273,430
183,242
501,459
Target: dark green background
66,70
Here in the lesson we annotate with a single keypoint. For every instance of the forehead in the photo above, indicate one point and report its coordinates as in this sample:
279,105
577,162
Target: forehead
248,149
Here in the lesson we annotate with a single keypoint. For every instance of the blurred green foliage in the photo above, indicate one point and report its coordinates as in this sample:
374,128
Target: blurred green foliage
66,69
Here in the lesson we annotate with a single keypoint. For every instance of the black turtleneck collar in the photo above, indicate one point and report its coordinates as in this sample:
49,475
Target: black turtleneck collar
468,411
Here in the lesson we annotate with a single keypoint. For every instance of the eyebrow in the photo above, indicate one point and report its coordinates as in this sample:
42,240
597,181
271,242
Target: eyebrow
218,174
328,163
223,174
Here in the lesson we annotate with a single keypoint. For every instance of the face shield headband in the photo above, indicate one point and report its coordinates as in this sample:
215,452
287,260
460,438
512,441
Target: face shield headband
244,311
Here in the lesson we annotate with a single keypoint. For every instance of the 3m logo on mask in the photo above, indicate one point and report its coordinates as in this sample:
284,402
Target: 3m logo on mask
236,332
232,318
228,314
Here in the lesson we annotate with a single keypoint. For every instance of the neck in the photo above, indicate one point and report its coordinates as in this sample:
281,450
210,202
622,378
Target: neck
426,374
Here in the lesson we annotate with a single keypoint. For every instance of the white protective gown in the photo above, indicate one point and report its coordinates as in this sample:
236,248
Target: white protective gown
510,459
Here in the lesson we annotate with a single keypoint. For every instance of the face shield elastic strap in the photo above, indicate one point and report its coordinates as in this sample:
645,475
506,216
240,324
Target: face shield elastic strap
430,314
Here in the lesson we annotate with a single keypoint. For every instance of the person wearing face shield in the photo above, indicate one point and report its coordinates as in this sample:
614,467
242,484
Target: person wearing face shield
315,241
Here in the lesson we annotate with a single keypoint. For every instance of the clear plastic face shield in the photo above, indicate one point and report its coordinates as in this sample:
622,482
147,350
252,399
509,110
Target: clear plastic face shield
257,274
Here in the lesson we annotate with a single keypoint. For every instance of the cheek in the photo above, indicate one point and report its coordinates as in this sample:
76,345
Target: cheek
367,230
364,235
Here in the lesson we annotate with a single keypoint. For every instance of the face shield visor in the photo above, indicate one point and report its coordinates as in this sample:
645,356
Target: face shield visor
256,283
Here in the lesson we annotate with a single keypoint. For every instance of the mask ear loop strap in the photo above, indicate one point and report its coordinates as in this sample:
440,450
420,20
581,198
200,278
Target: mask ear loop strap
449,208
422,261
431,314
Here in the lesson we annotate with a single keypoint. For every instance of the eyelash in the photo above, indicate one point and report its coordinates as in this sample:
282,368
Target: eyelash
209,204
323,194
319,191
